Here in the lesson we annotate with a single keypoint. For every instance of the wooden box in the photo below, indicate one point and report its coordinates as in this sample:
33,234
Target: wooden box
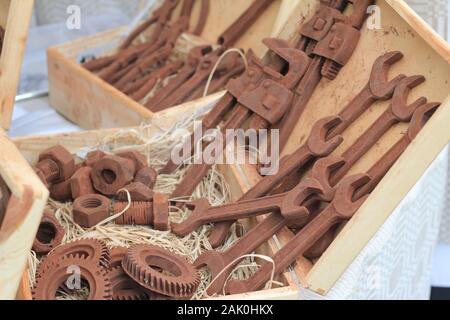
15,17
88,101
425,53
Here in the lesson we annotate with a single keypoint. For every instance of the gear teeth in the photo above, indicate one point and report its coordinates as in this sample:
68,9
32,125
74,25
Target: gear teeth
183,285
98,247
54,275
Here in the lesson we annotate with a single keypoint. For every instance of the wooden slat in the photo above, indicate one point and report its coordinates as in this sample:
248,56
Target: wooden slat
19,227
17,23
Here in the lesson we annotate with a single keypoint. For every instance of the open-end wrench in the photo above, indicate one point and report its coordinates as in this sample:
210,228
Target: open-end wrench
218,82
342,208
159,17
140,58
153,79
349,196
245,21
220,264
419,119
377,88
191,64
202,73
398,111
287,204
204,11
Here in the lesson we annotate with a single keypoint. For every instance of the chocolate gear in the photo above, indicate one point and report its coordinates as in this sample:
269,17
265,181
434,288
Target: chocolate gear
141,262
91,249
53,278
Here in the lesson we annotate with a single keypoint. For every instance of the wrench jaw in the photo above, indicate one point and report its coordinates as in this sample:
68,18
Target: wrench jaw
296,60
215,263
318,142
184,228
292,208
344,203
322,172
420,119
400,109
379,85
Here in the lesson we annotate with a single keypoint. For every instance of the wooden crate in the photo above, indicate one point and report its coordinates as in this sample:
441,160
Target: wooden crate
425,53
88,101
15,17
21,220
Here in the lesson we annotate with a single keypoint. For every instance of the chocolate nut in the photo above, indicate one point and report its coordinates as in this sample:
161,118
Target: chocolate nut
161,212
111,174
138,192
139,159
64,160
91,209
93,157
61,191
81,183
50,234
147,176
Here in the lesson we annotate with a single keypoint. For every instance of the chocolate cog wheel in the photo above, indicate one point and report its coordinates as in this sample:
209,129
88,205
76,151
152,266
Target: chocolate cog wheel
59,272
90,249
125,289
116,255
161,271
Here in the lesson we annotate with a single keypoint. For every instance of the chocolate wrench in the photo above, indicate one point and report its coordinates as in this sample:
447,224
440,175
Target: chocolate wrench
350,195
378,88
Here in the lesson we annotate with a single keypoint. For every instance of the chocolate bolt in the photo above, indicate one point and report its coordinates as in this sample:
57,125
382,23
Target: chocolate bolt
140,213
57,164
161,212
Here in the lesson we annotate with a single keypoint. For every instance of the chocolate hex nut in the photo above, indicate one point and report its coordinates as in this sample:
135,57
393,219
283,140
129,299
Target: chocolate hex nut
50,234
63,158
111,174
147,176
91,209
61,191
93,157
138,192
81,183
139,159
161,212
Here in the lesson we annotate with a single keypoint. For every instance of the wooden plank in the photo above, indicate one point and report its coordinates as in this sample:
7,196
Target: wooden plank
18,20
4,9
19,227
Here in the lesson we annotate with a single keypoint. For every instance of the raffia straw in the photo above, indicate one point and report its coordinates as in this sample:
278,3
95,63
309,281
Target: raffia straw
157,150
208,83
266,258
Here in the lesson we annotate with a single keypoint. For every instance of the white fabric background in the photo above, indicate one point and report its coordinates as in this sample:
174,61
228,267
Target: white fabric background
397,262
